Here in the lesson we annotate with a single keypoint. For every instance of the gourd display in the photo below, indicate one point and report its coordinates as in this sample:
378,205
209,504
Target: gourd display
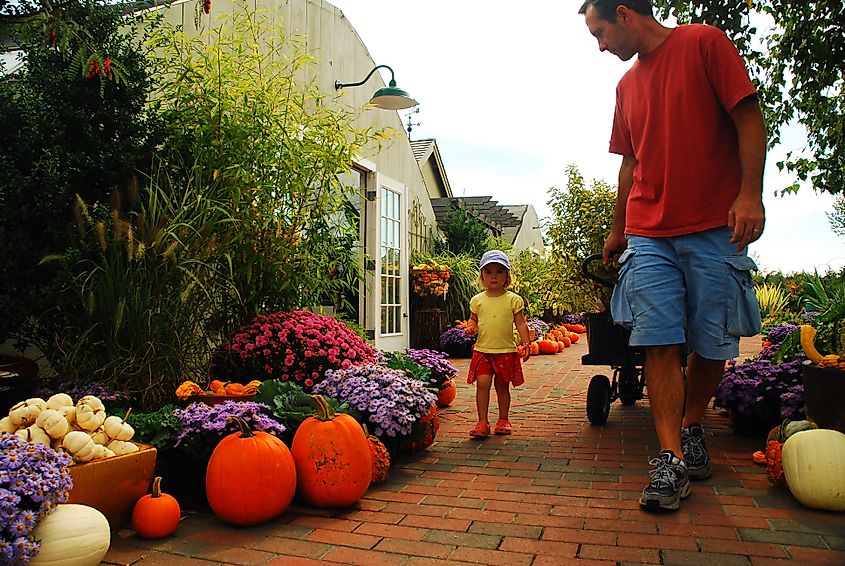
774,447
381,460
251,477
81,429
813,463
156,515
72,535
334,466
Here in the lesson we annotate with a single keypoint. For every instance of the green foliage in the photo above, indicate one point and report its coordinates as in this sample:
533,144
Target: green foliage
238,101
291,405
159,428
578,227
398,360
771,298
529,271
462,285
465,234
797,63
836,217
66,131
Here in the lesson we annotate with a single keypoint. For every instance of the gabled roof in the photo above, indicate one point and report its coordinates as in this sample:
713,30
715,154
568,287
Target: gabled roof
426,152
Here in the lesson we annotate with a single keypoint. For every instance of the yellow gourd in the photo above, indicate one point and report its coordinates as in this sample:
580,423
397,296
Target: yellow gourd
808,335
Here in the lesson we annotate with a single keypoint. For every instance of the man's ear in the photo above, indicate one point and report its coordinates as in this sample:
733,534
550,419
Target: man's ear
623,14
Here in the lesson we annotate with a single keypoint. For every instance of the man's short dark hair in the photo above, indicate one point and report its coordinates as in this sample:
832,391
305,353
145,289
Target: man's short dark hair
606,9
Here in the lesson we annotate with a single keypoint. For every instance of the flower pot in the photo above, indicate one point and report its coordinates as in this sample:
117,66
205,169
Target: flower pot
824,392
750,426
447,393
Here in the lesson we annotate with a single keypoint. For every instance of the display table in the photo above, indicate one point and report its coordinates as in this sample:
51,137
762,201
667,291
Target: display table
113,485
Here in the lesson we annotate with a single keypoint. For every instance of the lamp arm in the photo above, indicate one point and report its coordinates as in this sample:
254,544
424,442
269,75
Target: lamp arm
339,85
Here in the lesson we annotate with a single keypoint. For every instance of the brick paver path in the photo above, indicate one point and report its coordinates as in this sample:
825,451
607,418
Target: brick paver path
559,491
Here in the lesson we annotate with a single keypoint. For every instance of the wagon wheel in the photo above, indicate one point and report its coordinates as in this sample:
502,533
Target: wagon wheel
598,400
629,385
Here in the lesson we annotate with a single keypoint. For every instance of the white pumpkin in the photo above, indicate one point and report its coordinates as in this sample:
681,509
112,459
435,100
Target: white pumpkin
53,423
814,467
118,429
59,400
101,452
6,425
122,447
72,535
24,413
99,436
69,413
79,445
34,434
90,413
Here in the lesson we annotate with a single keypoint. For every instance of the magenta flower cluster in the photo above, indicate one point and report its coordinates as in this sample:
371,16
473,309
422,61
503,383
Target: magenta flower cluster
294,346
34,479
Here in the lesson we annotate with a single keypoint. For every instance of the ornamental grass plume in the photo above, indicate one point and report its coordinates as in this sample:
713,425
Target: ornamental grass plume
292,345
387,399
34,479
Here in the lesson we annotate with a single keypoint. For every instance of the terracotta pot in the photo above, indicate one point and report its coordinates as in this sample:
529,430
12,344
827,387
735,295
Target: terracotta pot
447,393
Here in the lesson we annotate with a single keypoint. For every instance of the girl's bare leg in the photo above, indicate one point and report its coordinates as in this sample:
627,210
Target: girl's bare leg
482,396
503,394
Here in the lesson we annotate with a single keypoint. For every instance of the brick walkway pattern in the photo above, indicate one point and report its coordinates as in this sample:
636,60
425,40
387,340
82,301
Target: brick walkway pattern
558,491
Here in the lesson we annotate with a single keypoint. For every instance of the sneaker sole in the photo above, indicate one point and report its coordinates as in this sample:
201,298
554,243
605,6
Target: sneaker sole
657,503
702,473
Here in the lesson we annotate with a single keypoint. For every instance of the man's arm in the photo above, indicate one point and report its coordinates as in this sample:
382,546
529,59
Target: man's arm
616,241
747,217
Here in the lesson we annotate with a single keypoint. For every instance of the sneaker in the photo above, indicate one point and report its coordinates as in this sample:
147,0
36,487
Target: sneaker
695,452
669,483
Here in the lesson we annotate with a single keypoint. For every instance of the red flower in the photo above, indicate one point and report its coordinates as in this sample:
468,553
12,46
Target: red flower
107,67
93,68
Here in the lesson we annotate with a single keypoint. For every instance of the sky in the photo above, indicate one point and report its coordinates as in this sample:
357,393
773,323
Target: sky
514,93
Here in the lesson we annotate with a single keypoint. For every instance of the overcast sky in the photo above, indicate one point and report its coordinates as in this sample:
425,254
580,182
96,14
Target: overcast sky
515,92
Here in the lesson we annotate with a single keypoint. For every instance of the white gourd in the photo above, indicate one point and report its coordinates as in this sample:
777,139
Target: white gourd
6,425
24,413
122,447
99,436
118,429
79,445
814,467
101,452
90,413
34,434
59,400
53,423
69,414
72,535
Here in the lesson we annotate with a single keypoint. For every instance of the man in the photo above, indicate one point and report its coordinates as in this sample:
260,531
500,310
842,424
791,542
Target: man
692,139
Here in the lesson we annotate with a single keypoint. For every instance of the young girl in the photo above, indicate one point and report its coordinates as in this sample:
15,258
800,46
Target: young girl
495,360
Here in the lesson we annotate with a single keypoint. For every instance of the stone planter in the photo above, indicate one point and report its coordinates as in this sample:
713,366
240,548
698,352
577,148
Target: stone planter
824,392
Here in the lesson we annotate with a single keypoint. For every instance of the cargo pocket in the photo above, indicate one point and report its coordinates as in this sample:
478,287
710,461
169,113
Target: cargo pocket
620,301
743,311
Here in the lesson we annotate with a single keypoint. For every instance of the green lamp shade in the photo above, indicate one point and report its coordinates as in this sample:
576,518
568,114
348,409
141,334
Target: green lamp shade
392,98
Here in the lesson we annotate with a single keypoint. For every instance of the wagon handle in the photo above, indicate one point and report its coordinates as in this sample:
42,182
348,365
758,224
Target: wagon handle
585,269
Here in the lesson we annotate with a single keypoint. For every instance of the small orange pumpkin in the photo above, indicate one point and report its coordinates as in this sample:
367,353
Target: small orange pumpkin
381,459
573,337
186,389
547,346
535,348
157,514
774,467
251,477
447,393
334,466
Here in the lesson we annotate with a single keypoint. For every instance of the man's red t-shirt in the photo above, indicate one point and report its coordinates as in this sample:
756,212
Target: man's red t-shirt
672,115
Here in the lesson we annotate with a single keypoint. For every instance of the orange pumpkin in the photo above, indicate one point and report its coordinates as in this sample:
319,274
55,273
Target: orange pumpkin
235,389
547,346
566,341
447,393
251,477
573,337
216,384
535,348
774,467
157,514
423,432
334,466
186,389
381,460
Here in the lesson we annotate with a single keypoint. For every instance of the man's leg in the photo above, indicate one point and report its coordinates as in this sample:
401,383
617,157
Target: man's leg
665,384
703,378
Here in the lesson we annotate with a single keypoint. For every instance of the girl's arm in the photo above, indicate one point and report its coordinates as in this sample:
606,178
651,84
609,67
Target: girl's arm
472,325
524,336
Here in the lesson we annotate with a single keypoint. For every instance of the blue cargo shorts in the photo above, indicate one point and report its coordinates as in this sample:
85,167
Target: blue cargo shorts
693,288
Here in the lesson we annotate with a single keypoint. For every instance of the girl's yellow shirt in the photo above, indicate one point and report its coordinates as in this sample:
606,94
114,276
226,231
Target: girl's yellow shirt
495,321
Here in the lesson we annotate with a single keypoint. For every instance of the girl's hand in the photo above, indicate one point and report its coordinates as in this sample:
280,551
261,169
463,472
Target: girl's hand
471,327
524,351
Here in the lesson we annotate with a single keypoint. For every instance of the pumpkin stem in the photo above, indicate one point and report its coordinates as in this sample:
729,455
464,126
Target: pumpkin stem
324,410
126,416
156,487
246,432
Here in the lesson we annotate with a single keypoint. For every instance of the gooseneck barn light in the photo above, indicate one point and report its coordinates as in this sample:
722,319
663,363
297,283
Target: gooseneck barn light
390,97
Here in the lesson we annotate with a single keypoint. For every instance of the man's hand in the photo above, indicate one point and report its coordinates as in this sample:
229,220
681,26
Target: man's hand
613,247
746,219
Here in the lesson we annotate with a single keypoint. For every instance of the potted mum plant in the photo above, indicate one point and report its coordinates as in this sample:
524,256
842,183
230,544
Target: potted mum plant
292,345
39,483
456,342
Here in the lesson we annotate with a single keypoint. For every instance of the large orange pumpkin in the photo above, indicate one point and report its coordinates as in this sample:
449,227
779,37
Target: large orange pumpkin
334,466
156,514
251,477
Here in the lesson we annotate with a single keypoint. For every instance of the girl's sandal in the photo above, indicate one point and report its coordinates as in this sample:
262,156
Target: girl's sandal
503,426
481,430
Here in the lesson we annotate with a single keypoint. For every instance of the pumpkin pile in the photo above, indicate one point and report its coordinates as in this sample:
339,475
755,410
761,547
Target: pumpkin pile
430,279
81,429
771,456
557,339
218,388
808,335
